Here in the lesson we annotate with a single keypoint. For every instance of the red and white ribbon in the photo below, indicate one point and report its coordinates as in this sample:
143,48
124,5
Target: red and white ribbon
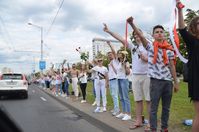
173,33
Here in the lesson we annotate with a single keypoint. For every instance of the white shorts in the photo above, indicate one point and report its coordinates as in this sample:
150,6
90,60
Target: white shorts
141,87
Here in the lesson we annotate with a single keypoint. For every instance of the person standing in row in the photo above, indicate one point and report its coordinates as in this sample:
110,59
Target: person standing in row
140,80
101,76
113,81
161,70
191,38
83,81
74,75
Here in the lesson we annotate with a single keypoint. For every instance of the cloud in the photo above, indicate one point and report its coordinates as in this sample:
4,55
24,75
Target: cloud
77,23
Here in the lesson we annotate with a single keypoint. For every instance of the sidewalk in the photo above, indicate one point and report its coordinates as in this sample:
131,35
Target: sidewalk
87,109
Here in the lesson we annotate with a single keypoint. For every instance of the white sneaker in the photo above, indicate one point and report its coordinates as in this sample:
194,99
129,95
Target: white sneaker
121,115
97,110
83,101
94,103
126,117
56,95
115,113
63,95
104,109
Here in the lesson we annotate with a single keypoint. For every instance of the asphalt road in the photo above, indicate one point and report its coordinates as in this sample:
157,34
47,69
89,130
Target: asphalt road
42,113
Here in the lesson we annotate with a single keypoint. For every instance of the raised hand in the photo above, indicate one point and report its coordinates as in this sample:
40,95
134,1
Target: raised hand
108,42
130,20
105,27
179,4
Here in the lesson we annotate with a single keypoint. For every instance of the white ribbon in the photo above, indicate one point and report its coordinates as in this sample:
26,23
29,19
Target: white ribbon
171,27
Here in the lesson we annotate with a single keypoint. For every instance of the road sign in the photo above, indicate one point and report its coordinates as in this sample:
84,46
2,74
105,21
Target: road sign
42,65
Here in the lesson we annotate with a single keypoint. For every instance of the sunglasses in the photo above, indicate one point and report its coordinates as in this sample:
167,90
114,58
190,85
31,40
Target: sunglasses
99,60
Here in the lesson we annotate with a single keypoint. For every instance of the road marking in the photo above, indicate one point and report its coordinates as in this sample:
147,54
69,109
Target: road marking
43,98
33,91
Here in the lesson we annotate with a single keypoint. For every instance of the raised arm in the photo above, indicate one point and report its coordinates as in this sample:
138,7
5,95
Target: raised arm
137,31
181,22
112,49
115,35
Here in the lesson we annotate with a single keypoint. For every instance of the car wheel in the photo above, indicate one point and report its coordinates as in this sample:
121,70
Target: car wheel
25,96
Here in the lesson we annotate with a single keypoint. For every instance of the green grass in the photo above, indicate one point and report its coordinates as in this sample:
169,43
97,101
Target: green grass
181,107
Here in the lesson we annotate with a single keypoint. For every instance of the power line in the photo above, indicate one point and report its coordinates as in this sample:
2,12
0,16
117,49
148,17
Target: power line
54,18
6,36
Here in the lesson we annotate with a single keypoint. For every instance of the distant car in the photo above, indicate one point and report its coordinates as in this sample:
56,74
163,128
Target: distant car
14,83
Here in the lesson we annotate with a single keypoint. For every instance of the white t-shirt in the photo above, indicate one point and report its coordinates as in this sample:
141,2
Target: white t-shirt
65,77
121,72
111,73
83,77
139,66
100,71
58,79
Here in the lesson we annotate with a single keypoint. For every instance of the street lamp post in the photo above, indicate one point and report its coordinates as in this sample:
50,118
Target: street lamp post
41,28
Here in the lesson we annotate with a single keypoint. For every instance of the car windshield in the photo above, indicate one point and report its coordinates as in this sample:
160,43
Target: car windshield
12,76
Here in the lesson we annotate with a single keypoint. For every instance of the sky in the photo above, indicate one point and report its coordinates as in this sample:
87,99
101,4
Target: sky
76,24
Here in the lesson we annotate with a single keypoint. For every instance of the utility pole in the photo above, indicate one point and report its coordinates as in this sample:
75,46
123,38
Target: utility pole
41,60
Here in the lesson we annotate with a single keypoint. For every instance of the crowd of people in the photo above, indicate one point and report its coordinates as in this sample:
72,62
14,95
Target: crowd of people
153,75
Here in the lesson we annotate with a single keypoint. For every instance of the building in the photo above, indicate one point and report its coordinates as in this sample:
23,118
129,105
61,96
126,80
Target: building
6,70
100,45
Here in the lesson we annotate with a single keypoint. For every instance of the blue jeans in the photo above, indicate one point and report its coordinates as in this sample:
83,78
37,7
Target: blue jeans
94,88
114,93
124,96
66,87
58,86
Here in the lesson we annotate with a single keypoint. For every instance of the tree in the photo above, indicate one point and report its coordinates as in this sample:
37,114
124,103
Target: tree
190,15
104,57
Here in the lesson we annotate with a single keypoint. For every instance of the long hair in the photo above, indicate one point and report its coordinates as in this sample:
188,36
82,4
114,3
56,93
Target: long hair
192,27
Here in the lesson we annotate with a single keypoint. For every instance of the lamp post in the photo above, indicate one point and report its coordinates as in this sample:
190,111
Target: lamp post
41,28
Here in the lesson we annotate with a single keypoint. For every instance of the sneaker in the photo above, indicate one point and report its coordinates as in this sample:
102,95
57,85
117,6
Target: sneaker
112,110
120,116
63,95
83,101
164,130
97,110
115,113
104,109
56,95
94,103
126,117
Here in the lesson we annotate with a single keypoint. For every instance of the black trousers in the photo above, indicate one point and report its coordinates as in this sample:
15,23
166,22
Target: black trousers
83,89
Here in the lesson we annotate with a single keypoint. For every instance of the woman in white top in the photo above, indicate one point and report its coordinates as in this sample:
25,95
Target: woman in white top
100,84
123,70
83,81
58,83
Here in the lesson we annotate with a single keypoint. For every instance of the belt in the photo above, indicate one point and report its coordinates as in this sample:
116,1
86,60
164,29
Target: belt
112,79
99,79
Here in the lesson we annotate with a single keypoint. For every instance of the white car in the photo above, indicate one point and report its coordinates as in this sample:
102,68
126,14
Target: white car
14,83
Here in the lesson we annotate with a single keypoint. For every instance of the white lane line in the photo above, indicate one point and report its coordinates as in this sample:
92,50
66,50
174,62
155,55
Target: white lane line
43,98
33,91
